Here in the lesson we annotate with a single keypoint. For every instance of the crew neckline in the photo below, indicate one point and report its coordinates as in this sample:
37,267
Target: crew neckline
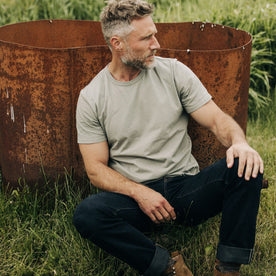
124,83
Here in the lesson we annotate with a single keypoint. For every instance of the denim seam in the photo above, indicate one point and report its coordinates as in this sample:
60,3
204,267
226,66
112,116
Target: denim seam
165,183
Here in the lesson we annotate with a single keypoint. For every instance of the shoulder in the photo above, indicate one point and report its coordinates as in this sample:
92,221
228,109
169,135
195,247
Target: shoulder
162,63
163,68
171,65
94,85
94,92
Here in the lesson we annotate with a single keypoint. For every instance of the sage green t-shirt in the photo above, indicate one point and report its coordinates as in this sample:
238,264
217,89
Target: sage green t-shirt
143,120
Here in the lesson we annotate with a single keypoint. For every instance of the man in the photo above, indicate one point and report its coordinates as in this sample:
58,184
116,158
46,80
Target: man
132,132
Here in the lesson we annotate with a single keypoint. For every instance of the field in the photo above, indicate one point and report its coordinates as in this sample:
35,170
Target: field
36,232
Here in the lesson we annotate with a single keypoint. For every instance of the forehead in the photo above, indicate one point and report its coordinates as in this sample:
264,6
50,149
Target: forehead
143,27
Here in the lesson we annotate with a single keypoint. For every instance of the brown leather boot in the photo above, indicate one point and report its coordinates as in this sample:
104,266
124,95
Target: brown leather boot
218,273
178,267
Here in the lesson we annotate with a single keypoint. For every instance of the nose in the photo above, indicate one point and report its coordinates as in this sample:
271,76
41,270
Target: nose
154,44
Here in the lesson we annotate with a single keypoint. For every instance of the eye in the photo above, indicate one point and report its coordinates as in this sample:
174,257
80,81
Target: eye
147,37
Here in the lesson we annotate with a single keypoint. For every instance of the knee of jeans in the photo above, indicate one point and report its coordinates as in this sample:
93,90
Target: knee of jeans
235,166
87,218
254,182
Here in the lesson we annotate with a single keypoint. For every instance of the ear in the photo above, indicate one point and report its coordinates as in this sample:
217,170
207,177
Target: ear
116,43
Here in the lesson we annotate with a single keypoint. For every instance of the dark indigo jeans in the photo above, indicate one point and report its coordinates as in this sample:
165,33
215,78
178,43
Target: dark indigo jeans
115,222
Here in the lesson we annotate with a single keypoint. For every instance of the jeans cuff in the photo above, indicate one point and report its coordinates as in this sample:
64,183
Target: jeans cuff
159,262
231,254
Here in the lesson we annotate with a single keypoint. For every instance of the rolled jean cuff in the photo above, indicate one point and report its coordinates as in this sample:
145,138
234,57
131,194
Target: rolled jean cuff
229,254
159,262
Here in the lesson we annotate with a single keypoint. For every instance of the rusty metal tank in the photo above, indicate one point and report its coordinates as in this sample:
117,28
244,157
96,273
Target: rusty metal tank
44,64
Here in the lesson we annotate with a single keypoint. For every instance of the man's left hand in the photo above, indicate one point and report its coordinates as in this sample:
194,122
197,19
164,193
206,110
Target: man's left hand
250,162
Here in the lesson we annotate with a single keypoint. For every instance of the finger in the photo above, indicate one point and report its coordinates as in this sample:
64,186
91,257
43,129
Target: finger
170,211
229,158
255,171
261,166
159,216
152,217
258,167
165,215
241,166
248,169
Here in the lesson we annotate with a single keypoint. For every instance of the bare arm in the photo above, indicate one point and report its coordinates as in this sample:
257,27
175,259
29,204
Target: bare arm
152,203
232,136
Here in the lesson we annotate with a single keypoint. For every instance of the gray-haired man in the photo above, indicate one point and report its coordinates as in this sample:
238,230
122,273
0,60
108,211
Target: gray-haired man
132,132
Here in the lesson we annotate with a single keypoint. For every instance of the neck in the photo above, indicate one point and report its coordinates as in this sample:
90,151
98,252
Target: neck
122,72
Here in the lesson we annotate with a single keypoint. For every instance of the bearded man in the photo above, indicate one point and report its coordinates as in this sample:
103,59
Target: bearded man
132,132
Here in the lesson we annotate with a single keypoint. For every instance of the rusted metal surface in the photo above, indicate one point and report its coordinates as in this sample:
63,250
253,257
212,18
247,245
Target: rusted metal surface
44,64
220,57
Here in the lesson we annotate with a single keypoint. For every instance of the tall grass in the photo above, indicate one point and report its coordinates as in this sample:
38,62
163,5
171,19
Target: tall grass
254,16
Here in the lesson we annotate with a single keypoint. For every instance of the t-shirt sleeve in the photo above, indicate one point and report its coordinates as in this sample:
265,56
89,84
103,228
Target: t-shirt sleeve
192,92
89,129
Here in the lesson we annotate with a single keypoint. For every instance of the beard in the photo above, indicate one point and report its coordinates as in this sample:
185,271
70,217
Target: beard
138,62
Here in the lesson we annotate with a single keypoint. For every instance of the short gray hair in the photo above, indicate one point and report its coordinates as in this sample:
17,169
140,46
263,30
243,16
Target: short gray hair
117,16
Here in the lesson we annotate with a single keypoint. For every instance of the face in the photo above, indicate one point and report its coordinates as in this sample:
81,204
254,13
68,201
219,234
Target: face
141,44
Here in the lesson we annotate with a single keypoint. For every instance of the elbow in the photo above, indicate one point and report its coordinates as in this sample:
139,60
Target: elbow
94,170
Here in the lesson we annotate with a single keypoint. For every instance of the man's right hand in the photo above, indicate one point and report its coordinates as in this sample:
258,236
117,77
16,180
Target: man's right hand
154,205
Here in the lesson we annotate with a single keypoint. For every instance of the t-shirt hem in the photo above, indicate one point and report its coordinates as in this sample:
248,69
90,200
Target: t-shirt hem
90,141
199,105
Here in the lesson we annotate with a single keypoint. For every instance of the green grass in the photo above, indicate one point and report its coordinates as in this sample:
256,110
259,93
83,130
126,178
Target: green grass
37,236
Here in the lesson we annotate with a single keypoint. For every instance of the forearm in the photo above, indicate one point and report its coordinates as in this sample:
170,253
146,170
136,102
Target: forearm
151,202
228,132
232,136
105,178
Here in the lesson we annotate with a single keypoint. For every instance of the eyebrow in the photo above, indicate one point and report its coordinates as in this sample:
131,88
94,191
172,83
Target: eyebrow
149,35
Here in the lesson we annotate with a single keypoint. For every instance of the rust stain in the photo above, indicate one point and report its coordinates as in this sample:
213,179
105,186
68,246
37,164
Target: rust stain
43,68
